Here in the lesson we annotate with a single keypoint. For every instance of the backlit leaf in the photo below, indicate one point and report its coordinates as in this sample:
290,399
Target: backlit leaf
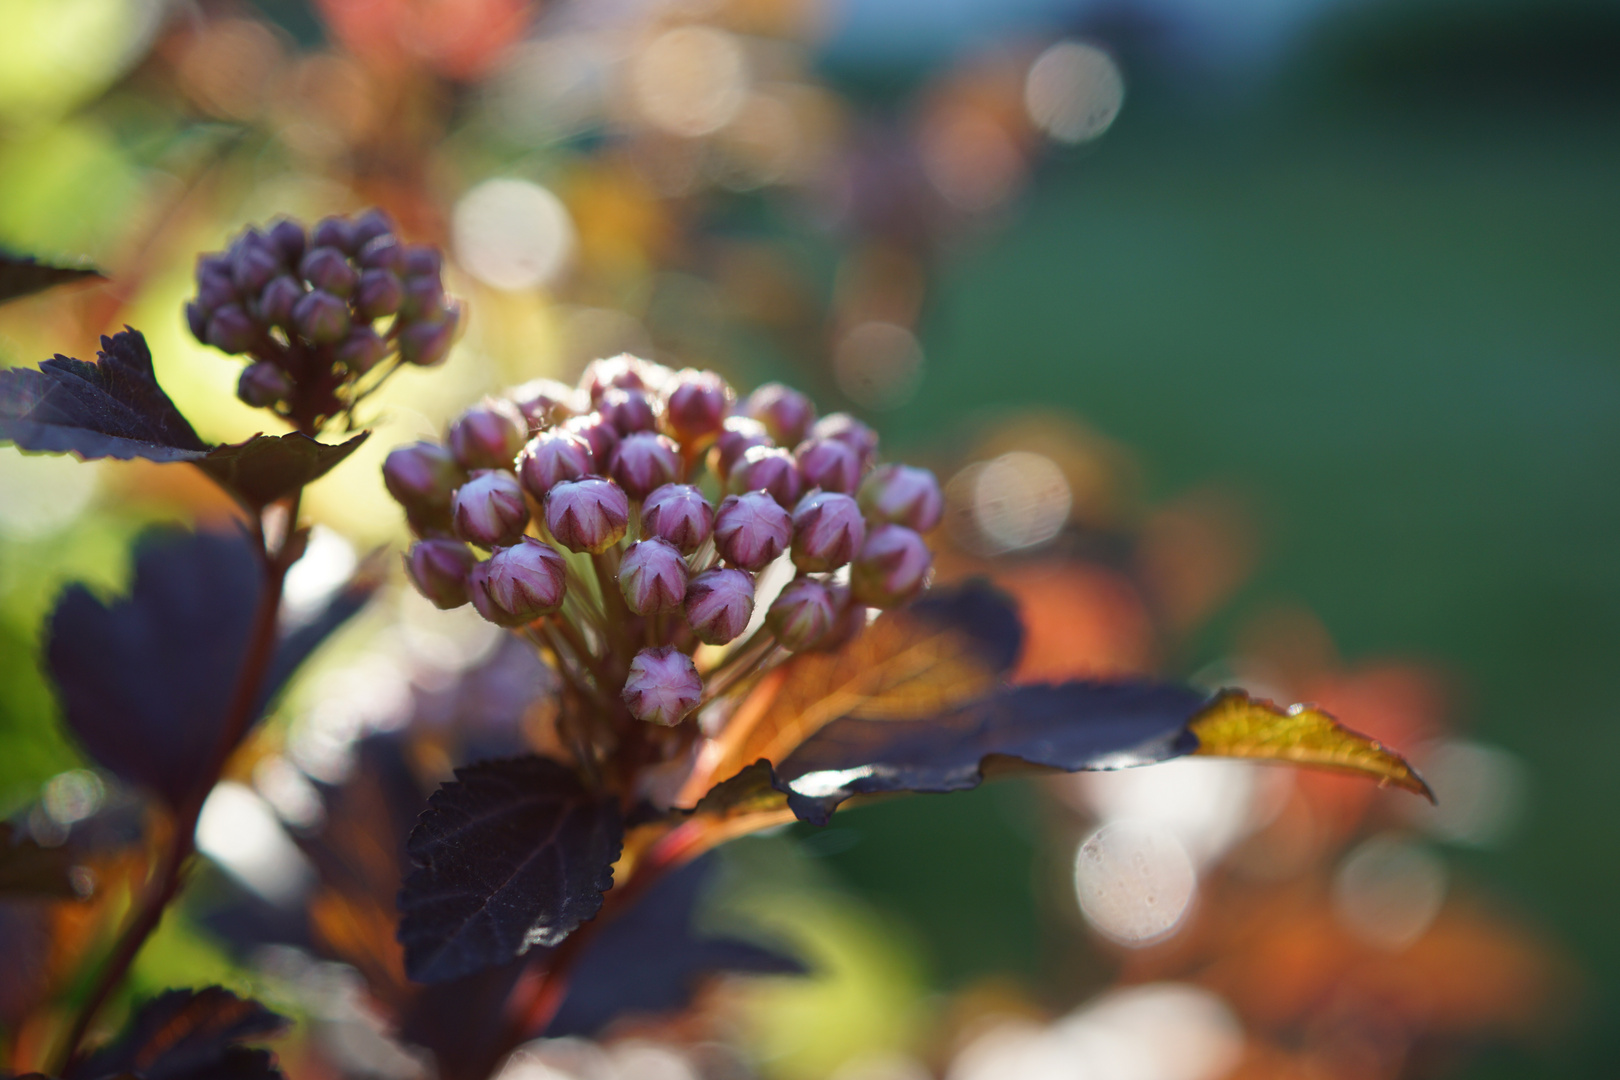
1236,725
22,275
269,467
189,1035
510,855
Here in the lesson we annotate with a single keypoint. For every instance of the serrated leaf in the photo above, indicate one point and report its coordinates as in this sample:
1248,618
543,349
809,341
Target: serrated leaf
270,467
189,1035
511,855
23,275
26,869
113,407
1239,726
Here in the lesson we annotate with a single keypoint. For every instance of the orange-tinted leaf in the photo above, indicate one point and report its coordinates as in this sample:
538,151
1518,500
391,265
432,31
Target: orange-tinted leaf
1236,725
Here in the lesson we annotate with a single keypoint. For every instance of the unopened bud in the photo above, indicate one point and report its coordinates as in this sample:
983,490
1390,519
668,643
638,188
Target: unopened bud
663,686
844,428
277,301
588,514
427,343
602,436
645,461
696,407
827,531
383,253
628,411
253,263
370,225
263,384
769,469
550,458
321,318
197,321
288,238
751,529
439,568
544,402
422,297
680,514
423,478
623,371
719,604
521,583
829,465
361,350
488,435
786,413
849,619
378,294
420,260
652,576
902,495
328,269
801,614
738,435
334,232
489,510
215,288
230,329
891,568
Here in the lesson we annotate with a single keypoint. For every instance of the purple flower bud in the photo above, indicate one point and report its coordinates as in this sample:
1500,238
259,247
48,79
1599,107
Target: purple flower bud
550,458
644,462
335,232
288,238
361,350
439,568
383,253
801,614
321,318
214,290
628,411
891,568
230,329
848,621
214,264
421,260
696,407
588,514
827,531
786,413
197,320
738,435
427,343
521,583
652,576
488,435
844,428
770,469
422,296
263,384
751,529
829,465
370,225
622,371
719,604
663,686
544,402
253,263
423,478
602,436
680,514
328,269
277,301
378,294
902,495
489,509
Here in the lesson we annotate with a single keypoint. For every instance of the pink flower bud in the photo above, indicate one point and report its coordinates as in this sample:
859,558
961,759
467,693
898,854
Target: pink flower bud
751,529
652,576
738,435
625,372
263,384
275,304
902,495
719,604
383,253
370,225
891,568
427,343
378,295
786,413
849,620
328,269
488,435
336,232
697,406
829,465
361,350
423,297
521,583
827,531
422,261
253,263
423,478
628,411
230,329
215,288
550,458
769,469
544,402
801,614
288,238
197,320
321,318
588,514
663,686
680,514
844,428
644,462
602,436
439,568
489,510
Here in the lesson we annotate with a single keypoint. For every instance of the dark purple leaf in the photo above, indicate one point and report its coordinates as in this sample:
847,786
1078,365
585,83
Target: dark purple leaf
21,275
510,855
26,869
111,408
189,1035
269,467
651,958
980,612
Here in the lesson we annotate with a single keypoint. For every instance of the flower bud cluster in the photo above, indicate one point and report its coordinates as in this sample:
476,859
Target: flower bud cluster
624,522
305,307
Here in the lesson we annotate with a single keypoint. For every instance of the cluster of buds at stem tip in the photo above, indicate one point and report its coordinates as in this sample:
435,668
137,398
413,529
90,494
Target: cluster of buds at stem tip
317,310
623,524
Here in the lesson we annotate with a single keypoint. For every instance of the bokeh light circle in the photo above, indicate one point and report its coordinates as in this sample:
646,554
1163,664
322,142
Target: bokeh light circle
512,234
1135,881
1074,92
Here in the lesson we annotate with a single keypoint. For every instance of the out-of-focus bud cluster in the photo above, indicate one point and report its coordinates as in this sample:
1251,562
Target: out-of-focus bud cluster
317,310
626,522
